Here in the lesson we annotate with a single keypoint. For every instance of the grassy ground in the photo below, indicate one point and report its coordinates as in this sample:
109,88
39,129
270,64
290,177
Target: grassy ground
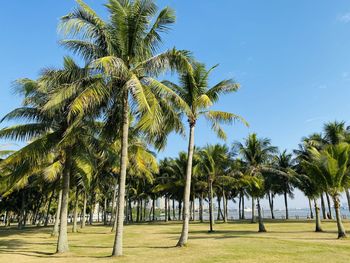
232,242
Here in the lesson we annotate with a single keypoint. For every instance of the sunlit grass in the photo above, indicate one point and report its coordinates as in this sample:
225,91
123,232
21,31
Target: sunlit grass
232,242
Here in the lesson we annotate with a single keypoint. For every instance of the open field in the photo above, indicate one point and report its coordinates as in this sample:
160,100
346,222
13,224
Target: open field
232,242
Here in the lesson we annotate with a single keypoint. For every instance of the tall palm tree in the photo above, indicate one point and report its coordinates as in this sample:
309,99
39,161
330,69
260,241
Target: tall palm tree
196,98
330,168
124,49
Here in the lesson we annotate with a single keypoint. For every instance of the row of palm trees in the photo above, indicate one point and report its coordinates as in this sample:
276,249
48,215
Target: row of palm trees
90,130
92,125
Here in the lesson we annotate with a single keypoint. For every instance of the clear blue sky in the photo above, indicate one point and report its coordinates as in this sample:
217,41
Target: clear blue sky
292,59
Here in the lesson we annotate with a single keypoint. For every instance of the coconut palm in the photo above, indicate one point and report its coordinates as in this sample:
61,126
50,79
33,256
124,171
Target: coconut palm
330,168
124,49
255,152
284,162
54,146
214,162
196,99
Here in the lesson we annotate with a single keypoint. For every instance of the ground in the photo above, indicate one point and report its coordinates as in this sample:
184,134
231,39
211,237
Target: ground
232,242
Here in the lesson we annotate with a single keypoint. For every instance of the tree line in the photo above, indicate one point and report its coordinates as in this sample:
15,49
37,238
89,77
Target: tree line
91,131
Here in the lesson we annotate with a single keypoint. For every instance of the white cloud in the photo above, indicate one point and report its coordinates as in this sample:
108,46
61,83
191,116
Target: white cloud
344,18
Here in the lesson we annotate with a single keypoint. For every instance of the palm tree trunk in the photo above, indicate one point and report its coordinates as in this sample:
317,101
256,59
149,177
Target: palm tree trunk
58,214
75,217
180,210
348,197
224,199
286,204
219,207
271,204
329,207
201,208
240,207
21,220
166,209
113,202
130,211
323,207
318,218
138,211
105,211
211,208
243,216
144,209
62,243
185,225
174,217
341,229
154,209
118,242
83,221
261,222
253,210
310,207
48,208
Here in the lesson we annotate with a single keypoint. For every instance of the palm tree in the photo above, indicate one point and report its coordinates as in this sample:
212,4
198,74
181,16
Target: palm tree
54,148
214,160
255,152
196,98
284,162
123,49
330,168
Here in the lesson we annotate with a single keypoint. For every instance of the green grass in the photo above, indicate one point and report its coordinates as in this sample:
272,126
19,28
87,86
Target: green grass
232,242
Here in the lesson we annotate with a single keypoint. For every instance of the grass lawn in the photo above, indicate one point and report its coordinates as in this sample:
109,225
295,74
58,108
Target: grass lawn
232,242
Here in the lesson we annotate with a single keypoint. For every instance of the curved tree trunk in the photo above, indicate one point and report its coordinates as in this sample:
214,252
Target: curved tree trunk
318,217
118,242
310,207
261,221
341,229
253,210
286,204
186,199
62,243
58,214
211,208
83,221
75,216
323,207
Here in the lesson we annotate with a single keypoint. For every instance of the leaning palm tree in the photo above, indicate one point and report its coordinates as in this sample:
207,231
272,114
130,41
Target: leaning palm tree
124,50
52,134
196,98
330,168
